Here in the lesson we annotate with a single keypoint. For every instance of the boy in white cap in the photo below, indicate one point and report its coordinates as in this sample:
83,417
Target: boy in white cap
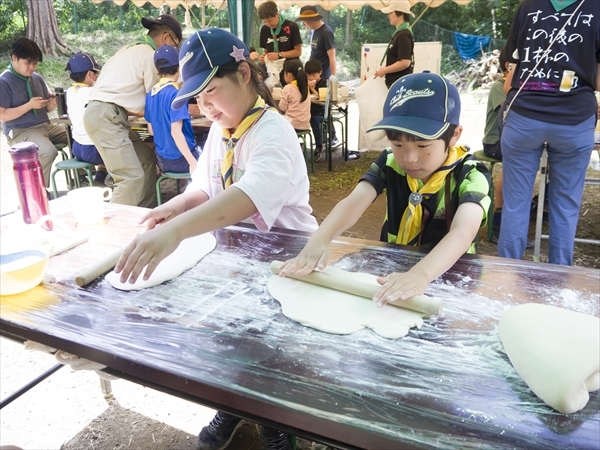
251,168
83,71
437,194
174,141
399,56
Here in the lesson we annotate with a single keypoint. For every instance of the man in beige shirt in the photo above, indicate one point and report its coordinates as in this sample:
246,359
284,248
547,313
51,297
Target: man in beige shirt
119,92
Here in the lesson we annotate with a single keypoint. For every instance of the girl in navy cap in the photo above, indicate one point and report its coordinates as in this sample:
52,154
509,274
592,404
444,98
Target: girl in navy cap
251,168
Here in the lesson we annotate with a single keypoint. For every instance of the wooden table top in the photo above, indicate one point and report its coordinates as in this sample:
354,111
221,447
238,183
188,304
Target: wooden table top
215,336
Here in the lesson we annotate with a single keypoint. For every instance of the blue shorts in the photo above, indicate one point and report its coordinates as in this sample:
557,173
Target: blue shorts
179,165
86,153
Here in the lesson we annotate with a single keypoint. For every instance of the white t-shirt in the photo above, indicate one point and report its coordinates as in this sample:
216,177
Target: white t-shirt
77,97
269,168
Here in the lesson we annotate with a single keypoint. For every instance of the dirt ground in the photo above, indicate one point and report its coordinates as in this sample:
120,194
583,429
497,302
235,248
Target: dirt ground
120,425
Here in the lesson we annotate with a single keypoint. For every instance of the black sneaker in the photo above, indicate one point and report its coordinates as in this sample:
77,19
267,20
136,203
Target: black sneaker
335,142
109,182
100,178
318,153
219,432
272,439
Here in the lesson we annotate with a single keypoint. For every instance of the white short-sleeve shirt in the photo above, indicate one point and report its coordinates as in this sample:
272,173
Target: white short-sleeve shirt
268,167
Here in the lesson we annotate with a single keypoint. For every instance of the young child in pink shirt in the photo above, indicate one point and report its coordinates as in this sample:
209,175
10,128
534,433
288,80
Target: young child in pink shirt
295,101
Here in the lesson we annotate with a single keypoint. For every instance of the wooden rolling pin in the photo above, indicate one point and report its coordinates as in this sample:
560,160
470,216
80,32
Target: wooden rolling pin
88,275
348,282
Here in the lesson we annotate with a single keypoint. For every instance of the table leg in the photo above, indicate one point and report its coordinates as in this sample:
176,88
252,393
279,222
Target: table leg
327,141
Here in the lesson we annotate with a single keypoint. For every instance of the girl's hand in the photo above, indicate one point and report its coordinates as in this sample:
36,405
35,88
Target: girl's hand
400,286
146,250
315,254
161,214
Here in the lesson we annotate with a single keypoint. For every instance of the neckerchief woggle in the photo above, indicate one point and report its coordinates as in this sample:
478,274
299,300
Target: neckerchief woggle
410,225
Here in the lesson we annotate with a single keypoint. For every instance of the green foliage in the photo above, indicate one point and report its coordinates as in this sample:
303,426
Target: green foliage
473,18
13,19
100,43
103,16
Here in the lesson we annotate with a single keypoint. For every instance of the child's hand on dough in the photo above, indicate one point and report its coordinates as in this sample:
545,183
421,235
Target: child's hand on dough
315,254
146,250
400,286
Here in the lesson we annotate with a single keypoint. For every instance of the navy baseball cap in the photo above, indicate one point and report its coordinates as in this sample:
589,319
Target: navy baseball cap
169,56
200,57
167,20
421,104
82,62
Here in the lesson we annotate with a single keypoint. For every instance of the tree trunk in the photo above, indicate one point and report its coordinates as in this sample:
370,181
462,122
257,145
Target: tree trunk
42,28
348,26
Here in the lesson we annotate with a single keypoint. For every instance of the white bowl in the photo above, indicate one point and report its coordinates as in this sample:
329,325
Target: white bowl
22,267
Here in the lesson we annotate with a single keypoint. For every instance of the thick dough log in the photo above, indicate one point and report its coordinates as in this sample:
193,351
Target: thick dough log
341,280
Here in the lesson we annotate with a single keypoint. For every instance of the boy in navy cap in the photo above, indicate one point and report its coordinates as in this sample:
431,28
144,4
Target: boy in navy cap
83,71
174,141
437,194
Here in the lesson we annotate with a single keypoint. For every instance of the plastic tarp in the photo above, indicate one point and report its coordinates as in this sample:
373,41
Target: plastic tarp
470,46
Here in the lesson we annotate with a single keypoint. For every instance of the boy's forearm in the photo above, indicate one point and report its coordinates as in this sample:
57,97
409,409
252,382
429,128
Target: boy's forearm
347,212
7,114
456,243
332,65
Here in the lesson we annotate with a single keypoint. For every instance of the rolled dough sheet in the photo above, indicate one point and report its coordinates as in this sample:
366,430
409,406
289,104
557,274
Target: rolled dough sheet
189,252
338,312
555,351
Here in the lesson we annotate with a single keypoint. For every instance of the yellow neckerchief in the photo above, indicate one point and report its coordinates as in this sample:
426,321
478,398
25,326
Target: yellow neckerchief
77,86
295,83
410,225
162,83
231,140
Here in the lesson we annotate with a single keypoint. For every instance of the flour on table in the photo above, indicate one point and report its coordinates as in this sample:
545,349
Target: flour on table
555,351
189,252
338,312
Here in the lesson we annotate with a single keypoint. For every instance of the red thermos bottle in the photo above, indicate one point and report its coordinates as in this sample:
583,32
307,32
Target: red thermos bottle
30,182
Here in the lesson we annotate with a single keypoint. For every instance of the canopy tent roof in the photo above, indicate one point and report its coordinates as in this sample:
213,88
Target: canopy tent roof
355,4
284,4
170,3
